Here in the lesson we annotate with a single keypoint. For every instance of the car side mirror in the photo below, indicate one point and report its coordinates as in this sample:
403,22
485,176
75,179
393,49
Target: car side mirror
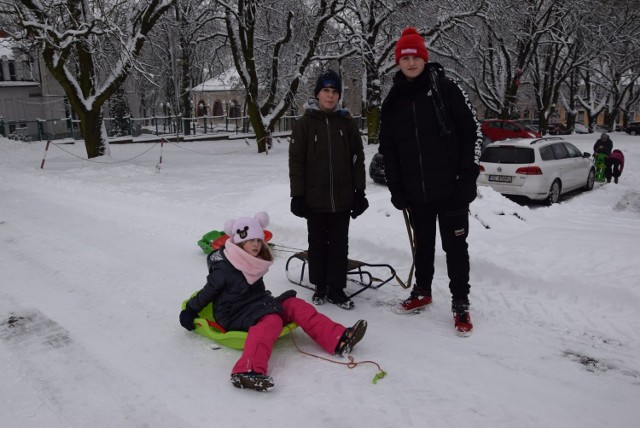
586,155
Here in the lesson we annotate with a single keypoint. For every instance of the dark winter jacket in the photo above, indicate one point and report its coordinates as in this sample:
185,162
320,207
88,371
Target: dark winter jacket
429,154
237,305
603,145
326,159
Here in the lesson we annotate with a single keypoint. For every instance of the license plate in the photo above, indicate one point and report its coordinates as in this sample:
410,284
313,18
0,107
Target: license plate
501,178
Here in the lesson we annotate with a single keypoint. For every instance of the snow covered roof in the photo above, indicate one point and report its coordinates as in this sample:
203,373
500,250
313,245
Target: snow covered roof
226,81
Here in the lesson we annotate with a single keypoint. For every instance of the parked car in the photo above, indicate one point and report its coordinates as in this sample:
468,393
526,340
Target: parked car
633,128
376,169
539,168
530,124
580,128
558,129
498,129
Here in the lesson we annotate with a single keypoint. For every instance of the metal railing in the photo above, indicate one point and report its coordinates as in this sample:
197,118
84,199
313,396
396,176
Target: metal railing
57,129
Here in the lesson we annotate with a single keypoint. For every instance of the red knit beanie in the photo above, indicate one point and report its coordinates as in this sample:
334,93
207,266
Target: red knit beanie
411,43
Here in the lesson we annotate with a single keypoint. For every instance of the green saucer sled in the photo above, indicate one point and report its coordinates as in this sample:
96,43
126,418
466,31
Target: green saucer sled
207,326
212,241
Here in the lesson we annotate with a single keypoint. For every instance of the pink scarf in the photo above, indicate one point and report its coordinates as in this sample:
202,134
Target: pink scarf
253,268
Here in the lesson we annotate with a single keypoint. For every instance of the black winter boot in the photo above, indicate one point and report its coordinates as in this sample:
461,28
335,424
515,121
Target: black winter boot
351,337
252,380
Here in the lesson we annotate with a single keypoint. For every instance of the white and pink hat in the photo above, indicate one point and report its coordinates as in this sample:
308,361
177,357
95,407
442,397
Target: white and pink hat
246,228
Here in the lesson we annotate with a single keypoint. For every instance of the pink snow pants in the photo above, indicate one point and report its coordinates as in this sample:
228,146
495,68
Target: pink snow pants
262,336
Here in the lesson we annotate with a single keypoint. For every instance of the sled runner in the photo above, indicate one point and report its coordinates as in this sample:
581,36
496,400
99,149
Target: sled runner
207,326
213,240
357,271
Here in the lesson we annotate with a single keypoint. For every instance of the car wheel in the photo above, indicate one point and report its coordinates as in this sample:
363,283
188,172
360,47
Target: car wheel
632,132
590,180
554,192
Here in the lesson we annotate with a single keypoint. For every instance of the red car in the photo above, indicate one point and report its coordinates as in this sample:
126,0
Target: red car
498,129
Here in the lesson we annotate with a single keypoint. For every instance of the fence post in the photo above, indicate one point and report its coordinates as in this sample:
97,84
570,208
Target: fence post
46,148
2,127
40,129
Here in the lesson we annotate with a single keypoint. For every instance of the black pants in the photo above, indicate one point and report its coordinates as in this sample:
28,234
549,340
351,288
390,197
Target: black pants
453,220
328,235
612,168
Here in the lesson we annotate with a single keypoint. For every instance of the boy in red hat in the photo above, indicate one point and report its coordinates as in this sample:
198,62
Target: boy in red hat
430,140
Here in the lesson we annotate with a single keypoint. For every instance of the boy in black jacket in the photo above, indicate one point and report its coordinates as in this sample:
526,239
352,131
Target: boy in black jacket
431,141
327,177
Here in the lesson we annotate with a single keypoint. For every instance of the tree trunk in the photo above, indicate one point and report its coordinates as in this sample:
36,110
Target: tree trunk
373,123
263,134
374,102
91,125
185,75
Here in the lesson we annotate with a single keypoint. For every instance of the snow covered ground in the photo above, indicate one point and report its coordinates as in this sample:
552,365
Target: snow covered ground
97,256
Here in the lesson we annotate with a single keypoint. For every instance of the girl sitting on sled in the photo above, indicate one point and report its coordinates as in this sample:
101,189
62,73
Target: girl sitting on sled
236,289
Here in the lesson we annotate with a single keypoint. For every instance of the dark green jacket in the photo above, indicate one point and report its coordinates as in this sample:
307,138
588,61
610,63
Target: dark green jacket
326,160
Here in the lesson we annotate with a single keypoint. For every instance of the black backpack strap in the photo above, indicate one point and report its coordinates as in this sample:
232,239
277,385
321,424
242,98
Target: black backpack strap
437,102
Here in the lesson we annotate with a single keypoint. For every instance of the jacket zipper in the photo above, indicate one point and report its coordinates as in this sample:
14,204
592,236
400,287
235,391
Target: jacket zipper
333,202
415,127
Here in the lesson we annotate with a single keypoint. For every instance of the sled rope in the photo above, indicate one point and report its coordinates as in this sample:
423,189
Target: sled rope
352,364
285,248
407,223
107,163
203,153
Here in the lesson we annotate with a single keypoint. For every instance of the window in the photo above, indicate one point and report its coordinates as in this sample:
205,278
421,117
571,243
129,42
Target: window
217,108
26,71
202,108
546,153
234,109
508,154
510,127
573,150
12,70
559,151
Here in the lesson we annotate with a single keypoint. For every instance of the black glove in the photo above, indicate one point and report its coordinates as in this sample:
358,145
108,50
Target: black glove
186,319
299,206
399,201
467,191
284,296
360,204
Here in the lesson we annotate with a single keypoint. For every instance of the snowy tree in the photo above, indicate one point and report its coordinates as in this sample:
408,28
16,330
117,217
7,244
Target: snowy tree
611,76
369,30
184,45
561,50
272,47
120,114
498,62
89,46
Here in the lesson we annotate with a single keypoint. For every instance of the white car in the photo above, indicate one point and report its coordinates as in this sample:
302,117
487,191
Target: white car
539,168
